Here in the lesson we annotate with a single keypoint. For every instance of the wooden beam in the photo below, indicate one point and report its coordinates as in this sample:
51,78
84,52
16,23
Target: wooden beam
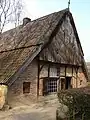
65,75
48,70
72,71
77,76
50,77
65,70
59,64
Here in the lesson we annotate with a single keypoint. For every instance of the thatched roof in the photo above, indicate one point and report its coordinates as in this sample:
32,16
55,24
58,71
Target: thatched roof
23,42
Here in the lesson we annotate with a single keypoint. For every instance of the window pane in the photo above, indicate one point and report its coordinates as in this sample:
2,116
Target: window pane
52,85
26,87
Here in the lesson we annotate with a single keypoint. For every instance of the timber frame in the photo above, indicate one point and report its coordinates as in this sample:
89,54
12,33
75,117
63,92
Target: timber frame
42,63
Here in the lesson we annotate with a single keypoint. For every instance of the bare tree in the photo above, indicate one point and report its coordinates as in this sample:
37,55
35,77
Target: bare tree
10,11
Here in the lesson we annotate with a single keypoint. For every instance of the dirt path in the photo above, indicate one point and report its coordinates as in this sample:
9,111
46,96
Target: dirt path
44,110
32,115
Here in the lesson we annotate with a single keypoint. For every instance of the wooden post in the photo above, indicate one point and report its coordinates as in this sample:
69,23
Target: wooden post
38,76
58,74
72,71
72,78
65,75
48,70
77,76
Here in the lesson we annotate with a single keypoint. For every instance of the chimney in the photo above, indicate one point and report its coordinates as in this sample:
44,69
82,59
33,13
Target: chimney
26,20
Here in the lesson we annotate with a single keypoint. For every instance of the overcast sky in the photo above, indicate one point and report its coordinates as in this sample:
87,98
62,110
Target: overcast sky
80,10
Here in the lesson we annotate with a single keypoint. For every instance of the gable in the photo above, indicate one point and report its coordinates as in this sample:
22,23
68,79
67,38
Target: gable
64,47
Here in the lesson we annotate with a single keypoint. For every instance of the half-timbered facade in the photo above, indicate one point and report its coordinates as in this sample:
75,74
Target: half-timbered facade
41,57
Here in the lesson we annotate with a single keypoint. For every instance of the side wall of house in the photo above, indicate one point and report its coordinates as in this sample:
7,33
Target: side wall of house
15,92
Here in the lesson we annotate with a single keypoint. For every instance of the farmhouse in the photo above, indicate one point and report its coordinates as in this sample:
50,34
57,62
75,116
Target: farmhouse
42,56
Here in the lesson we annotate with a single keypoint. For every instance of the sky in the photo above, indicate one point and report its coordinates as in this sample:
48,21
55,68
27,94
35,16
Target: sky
80,10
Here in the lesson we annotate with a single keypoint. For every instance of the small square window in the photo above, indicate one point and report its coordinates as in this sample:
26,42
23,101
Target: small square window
26,87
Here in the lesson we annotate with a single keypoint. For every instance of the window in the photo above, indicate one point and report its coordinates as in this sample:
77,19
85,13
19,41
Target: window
26,87
52,85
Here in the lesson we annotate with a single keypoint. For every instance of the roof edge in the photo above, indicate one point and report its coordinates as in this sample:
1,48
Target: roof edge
75,30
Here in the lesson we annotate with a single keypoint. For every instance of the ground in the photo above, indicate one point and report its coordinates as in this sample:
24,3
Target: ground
45,109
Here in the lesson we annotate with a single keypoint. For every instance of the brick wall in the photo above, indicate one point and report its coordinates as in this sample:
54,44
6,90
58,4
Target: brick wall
82,82
16,89
79,80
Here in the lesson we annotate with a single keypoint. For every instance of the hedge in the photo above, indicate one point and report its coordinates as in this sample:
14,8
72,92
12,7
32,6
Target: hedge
77,102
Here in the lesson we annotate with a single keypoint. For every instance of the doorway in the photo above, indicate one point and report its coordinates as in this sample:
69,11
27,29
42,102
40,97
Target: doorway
68,82
62,83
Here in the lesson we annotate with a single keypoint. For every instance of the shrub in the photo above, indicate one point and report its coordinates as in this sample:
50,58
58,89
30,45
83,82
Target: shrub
78,103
